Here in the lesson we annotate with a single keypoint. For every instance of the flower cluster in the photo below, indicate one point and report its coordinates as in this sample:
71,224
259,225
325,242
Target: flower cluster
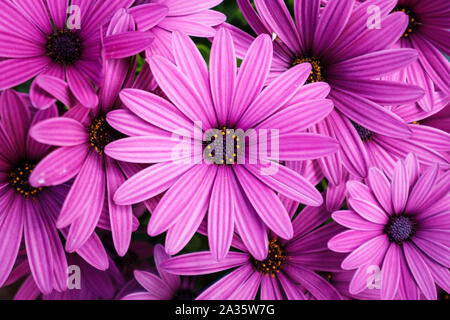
146,146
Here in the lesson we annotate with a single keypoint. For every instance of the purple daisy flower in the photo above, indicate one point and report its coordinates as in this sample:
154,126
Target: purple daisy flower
23,208
236,194
166,286
290,270
400,225
347,55
92,284
29,210
37,37
81,135
427,31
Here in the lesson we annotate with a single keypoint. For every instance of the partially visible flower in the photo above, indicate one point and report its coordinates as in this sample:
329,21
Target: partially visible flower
290,270
25,210
400,225
29,210
239,196
37,37
81,135
428,33
430,145
85,282
162,286
347,55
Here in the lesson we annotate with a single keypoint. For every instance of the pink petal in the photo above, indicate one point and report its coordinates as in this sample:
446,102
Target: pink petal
221,214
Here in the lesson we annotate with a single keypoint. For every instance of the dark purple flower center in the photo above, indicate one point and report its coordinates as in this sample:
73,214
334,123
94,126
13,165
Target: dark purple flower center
18,179
364,134
274,261
400,228
101,134
413,23
223,146
317,71
64,46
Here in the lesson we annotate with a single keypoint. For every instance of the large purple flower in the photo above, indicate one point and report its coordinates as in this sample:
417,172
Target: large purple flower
400,225
427,31
347,55
291,269
38,37
236,194
82,135
32,211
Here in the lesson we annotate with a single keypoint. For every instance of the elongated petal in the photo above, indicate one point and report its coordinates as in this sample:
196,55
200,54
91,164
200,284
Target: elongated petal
350,240
381,188
289,183
249,225
390,271
221,214
17,71
59,166
420,271
200,263
63,132
155,110
149,182
313,146
266,203
191,215
370,115
222,289
170,207
366,252
275,95
149,149
179,89
79,198
154,285
120,216
190,62
15,117
298,117
12,225
369,210
276,14
81,88
39,248
126,44
382,92
86,220
222,73
251,77
331,24
149,15
400,187
374,64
